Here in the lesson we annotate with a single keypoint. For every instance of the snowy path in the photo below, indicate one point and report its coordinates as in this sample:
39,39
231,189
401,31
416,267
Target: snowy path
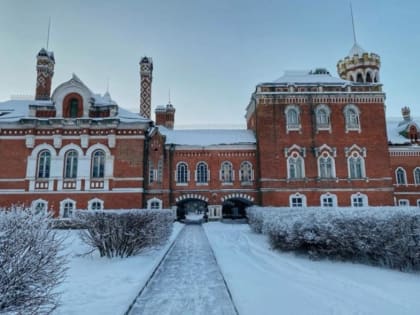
188,281
263,281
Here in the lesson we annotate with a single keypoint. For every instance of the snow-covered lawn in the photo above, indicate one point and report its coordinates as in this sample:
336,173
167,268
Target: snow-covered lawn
97,285
263,281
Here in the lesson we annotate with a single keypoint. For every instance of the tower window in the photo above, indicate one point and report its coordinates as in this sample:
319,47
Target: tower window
74,108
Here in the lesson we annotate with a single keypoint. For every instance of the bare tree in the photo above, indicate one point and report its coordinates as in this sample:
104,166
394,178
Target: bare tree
31,265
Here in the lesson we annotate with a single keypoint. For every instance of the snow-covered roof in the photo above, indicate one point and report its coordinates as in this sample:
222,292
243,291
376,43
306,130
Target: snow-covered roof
396,126
14,110
356,50
103,100
307,76
208,137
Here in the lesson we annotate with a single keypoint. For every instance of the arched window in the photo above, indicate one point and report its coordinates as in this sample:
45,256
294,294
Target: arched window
326,166
70,164
292,117
322,113
295,166
359,200
73,108
95,204
328,200
368,77
201,173
39,206
246,172
67,208
44,164
417,176
401,176
226,172
356,166
359,77
98,164
351,113
152,172
182,173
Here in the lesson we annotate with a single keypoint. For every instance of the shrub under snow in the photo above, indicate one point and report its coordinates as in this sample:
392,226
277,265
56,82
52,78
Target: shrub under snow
387,236
123,233
30,263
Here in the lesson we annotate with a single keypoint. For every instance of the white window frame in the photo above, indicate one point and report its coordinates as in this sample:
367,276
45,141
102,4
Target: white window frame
152,201
200,182
292,202
226,166
359,200
349,121
44,207
63,204
355,156
91,202
320,125
292,125
293,159
326,155
400,180
249,169
403,202
416,175
333,198
179,175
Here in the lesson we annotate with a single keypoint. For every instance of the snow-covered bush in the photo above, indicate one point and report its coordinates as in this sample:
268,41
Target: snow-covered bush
385,236
67,224
123,233
31,265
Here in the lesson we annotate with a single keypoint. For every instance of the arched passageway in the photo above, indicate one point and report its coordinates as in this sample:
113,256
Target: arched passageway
191,208
234,208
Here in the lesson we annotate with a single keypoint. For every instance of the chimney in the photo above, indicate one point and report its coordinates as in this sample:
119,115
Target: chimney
146,69
406,113
45,70
165,116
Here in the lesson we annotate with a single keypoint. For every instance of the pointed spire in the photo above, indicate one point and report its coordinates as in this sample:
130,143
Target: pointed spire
48,33
352,23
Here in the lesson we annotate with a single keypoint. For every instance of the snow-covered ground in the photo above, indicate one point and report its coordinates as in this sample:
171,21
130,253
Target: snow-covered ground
103,286
263,281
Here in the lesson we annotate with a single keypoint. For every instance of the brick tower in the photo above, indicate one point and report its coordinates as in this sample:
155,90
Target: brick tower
45,71
146,69
359,66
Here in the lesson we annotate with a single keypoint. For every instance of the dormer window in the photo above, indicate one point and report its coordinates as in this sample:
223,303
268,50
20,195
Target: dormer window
74,108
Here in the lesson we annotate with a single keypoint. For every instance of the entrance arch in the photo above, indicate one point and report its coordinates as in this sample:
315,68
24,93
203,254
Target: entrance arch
234,208
194,207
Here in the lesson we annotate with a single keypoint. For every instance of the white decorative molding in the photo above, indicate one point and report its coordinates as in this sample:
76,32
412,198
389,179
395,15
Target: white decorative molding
84,141
112,140
57,141
30,141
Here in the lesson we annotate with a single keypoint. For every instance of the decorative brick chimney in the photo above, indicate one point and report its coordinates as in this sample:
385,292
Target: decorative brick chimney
146,70
165,116
45,71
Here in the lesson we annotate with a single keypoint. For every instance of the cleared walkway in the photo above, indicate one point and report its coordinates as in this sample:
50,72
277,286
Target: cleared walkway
188,282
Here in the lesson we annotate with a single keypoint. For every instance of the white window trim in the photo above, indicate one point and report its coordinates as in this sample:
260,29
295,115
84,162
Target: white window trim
38,201
252,172
293,127
401,201
414,175
356,155
328,195
298,195
333,174
358,195
327,109
345,112
405,176
91,201
63,202
152,200
295,155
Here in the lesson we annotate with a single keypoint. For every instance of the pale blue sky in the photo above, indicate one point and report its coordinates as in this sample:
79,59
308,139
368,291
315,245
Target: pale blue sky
211,54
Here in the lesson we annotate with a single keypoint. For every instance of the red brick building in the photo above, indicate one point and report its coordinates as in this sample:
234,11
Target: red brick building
311,140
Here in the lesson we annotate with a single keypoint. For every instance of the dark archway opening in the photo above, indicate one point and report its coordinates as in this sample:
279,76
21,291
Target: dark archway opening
192,209
235,208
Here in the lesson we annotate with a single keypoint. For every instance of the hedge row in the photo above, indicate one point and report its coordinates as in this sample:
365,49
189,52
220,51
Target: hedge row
386,236
123,233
